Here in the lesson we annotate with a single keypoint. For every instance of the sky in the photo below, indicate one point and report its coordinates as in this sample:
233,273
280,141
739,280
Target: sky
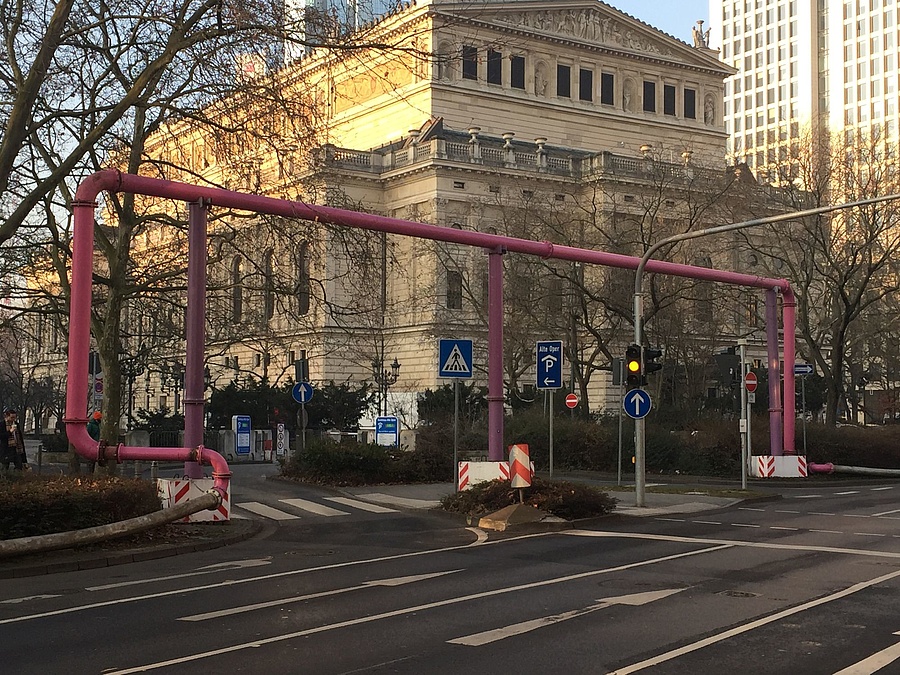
675,17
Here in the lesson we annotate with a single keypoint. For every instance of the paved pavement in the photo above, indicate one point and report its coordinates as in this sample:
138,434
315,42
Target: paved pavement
689,499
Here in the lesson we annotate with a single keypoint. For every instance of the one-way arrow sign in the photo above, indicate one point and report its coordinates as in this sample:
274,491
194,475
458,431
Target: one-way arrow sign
636,403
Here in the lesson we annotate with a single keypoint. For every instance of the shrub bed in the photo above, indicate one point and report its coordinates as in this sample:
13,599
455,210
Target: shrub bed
559,498
352,463
34,505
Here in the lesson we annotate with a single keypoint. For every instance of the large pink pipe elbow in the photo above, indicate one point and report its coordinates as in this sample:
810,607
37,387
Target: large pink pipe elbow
820,468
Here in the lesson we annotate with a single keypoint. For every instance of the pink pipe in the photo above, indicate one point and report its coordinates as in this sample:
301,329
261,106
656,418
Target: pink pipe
195,331
789,313
495,355
116,181
775,412
820,468
79,344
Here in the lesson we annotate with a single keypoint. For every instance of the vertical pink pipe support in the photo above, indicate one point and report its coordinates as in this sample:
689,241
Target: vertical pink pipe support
775,435
195,330
80,329
789,309
495,354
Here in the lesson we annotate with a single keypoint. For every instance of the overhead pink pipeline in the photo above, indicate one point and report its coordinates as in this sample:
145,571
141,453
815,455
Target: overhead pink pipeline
115,181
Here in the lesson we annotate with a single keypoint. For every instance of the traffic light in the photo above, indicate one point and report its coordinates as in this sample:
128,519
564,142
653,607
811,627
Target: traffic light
633,375
650,364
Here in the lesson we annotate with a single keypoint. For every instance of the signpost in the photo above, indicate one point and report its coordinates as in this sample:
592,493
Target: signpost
387,431
803,369
637,404
302,392
549,360
455,361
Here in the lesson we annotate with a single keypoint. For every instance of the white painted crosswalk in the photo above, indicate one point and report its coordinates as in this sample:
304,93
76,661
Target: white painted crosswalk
296,508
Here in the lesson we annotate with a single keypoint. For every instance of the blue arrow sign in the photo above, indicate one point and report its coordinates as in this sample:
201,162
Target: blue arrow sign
455,358
302,392
636,403
804,369
549,364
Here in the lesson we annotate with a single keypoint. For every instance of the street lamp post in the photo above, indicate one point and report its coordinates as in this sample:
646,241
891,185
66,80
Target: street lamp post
385,378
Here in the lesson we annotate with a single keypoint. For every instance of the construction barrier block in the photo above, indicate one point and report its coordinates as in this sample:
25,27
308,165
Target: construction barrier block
470,473
786,466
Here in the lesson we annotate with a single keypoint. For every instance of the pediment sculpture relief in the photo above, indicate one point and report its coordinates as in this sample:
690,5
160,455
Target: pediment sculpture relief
585,24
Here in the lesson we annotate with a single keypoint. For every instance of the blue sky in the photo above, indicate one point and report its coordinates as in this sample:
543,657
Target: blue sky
675,17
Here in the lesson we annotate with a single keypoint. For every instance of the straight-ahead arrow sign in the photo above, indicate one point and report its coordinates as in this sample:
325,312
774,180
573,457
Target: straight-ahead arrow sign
488,636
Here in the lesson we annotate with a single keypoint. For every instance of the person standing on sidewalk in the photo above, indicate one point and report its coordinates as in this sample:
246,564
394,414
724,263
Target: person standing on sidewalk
12,442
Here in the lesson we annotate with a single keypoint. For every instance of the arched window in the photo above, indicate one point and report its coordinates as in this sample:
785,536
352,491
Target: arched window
237,289
454,289
269,289
301,290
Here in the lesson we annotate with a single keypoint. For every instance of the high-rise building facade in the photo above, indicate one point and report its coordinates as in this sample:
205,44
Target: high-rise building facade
801,62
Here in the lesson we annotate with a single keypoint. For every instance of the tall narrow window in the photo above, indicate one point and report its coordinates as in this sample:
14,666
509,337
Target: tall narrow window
302,286
690,104
269,288
469,62
237,289
563,81
586,84
494,67
454,290
517,72
668,99
607,87
649,96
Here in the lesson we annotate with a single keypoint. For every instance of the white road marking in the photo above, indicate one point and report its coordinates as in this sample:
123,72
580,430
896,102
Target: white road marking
827,531
263,577
744,525
874,663
849,492
16,601
401,501
879,489
885,513
856,515
747,508
488,636
706,522
314,507
209,569
820,513
790,529
411,610
480,535
266,511
778,616
397,581
672,520
362,506
777,511
804,496
868,534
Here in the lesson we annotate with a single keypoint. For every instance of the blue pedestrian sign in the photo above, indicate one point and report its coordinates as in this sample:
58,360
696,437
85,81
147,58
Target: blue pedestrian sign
636,403
549,364
455,358
387,431
803,369
302,392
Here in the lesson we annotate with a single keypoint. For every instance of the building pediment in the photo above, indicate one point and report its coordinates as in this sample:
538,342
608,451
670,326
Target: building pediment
587,22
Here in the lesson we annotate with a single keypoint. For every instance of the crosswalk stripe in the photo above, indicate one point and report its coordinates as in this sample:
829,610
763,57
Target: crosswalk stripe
364,506
313,507
402,501
266,511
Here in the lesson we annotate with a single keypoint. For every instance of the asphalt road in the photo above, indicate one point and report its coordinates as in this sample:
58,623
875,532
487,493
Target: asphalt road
806,584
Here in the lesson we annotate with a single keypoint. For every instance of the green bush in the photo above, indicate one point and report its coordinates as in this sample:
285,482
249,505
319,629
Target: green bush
559,498
33,505
351,463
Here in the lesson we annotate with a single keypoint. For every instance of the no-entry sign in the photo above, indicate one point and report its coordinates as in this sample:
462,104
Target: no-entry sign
750,382
571,400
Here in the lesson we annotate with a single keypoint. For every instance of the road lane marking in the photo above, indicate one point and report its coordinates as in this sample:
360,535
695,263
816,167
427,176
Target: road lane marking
879,489
314,507
401,501
16,601
875,662
778,616
747,508
480,535
672,520
856,515
789,529
777,511
849,492
820,513
706,522
488,636
868,534
410,610
209,569
885,513
266,511
397,581
827,531
731,542
744,525
804,496
363,506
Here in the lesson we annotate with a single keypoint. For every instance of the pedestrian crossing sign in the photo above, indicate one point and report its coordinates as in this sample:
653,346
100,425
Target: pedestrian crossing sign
455,358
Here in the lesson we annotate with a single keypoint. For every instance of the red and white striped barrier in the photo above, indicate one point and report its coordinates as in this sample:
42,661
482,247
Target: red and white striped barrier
786,466
174,491
470,473
519,466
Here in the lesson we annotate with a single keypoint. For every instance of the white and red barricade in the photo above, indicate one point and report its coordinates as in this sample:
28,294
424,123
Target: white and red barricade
785,466
519,466
174,491
470,473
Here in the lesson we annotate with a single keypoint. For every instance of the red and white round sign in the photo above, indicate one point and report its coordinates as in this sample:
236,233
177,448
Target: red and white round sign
571,400
750,382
